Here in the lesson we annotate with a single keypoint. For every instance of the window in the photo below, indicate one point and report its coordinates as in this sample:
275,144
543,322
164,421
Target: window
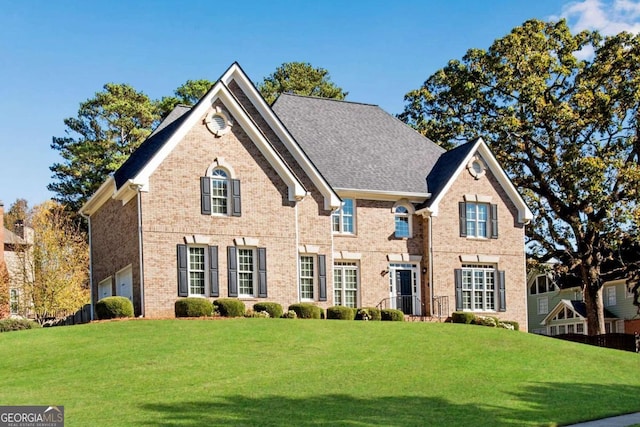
543,305
480,288
198,271
542,284
219,191
219,194
402,221
478,220
307,277
247,272
14,301
345,284
343,218
611,296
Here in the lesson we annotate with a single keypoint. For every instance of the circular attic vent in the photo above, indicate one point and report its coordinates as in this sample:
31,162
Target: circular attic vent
218,122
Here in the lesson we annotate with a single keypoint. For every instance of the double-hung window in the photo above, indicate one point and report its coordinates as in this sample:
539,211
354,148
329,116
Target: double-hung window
247,272
480,288
343,220
345,284
219,192
478,220
307,277
402,222
197,271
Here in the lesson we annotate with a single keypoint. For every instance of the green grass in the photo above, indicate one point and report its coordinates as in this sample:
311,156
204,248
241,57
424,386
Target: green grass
271,372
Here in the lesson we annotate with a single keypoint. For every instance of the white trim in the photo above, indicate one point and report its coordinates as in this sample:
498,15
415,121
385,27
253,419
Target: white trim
345,255
379,195
492,259
221,163
102,194
308,249
235,73
480,147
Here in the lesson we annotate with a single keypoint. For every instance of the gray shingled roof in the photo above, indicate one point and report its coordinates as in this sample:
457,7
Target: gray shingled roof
359,146
151,145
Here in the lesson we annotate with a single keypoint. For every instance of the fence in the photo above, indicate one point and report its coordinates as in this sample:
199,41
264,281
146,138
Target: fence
626,342
81,316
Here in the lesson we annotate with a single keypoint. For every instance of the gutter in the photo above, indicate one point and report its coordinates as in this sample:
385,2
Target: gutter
88,218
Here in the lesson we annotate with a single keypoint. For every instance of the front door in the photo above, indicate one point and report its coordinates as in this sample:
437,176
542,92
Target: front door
403,287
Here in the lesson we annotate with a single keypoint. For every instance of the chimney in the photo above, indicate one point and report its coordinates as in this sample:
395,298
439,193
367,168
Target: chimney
18,228
1,232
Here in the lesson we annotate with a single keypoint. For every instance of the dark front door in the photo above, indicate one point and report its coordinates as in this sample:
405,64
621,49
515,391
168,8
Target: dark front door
403,286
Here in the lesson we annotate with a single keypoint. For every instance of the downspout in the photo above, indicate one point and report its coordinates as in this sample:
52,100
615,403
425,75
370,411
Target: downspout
140,261
297,253
88,218
430,263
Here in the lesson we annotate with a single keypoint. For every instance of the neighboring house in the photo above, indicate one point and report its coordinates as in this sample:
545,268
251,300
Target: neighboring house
15,243
554,311
318,200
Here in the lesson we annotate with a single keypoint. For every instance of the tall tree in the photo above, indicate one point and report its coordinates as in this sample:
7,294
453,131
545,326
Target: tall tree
53,267
17,213
300,78
565,129
109,127
187,94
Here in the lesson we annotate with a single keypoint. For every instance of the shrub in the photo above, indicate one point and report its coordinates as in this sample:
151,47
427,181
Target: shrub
307,310
392,314
509,324
290,314
253,313
463,317
372,313
341,312
273,308
229,307
8,325
193,307
486,321
114,307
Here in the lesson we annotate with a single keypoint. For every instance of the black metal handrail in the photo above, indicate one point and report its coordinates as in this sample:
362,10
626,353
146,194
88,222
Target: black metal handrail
404,303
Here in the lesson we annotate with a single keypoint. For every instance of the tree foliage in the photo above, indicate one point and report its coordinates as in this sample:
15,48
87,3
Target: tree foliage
566,131
54,266
17,213
108,128
187,94
300,78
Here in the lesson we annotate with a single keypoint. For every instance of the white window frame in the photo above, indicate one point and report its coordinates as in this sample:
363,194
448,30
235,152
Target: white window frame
190,270
475,283
308,278
338,218
475,222
402,216
543,305
253,272
226,182
339,275
611,296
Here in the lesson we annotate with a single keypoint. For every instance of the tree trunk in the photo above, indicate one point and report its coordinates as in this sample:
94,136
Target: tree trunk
595,309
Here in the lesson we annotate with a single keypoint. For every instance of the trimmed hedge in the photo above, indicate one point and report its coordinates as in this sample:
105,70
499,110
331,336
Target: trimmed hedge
340,312
193,307
372,312
8,325
114,308
307,310
463,317
229,307
391,314
273,308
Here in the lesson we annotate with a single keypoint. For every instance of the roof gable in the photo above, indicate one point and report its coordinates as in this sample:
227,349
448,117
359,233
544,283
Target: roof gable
452,163
135,172
579,308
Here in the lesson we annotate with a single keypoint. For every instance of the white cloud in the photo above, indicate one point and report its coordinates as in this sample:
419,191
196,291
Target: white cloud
608,17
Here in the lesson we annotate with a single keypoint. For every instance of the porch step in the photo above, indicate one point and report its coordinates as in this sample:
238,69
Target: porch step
411,318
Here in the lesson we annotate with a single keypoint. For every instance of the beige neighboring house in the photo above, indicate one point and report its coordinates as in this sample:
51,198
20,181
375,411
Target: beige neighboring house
15,243
313,200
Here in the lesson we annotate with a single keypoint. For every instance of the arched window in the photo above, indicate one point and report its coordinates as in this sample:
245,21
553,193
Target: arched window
402,221
219,192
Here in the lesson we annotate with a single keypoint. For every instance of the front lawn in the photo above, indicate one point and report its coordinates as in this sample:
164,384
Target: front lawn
271,372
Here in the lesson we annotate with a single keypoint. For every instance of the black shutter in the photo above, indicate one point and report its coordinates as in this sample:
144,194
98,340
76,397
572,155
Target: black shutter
322,277
494,221
236,205
233,271
462,208
183,281
262,272
502,297
205,195
458,274
213,272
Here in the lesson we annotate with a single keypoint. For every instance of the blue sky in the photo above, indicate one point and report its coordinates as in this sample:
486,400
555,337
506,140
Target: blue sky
56,54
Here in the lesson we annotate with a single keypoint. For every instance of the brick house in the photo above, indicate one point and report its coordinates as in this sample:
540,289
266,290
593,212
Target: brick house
332,202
